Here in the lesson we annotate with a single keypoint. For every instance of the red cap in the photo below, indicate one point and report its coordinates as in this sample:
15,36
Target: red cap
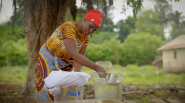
94,16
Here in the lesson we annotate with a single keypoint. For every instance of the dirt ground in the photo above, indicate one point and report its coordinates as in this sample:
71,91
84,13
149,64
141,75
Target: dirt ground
162,93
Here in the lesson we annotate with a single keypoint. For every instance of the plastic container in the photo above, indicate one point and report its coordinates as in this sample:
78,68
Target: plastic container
72,94
106,91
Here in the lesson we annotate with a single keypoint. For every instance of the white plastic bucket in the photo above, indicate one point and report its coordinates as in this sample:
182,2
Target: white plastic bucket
72,94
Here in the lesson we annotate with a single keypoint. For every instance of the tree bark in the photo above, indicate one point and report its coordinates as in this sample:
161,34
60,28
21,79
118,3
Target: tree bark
41,18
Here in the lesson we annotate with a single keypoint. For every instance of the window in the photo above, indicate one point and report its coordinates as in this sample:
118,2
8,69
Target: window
175,54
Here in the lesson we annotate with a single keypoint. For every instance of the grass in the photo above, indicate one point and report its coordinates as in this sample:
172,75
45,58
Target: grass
147,74
13,73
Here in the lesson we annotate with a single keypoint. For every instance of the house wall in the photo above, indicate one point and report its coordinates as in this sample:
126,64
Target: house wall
172,63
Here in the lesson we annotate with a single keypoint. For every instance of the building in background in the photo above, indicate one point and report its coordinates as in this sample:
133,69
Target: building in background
158,62
173,55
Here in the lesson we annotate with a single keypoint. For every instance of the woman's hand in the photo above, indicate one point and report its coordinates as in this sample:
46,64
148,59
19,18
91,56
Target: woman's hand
101,71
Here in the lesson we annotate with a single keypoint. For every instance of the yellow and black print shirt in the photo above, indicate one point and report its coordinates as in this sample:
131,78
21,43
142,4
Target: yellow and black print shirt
55,43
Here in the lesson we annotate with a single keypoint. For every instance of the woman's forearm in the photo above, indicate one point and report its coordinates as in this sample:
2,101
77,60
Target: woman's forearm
71,48
82,60
77,67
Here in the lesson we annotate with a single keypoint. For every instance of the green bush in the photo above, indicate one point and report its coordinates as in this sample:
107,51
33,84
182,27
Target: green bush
100,37
13,50
138,48
110,50
14,53
2,59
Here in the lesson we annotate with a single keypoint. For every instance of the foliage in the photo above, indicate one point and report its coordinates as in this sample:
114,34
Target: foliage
109,50
168,18
107,25
13,48
79,17
164,9
18,20
136,5
6,28
14,53
140,48
100,37
125,27
147,21
94,52
177,30
178,25
112,50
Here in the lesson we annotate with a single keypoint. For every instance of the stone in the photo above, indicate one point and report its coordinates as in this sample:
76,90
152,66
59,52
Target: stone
172,100
157,101
90,91
131,88
90,97
126,101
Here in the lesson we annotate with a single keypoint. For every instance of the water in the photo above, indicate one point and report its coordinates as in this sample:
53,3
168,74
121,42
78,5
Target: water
108,93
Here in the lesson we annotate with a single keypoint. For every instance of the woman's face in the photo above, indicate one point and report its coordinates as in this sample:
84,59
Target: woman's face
88,27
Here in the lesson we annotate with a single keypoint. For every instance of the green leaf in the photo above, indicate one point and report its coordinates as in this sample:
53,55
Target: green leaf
110,2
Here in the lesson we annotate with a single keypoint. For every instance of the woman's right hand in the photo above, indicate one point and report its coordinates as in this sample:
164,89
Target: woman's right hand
101,71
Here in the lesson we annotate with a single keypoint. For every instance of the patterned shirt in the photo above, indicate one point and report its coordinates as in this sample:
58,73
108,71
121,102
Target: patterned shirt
55,43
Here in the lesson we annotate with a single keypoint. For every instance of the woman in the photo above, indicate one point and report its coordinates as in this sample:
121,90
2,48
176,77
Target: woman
66,48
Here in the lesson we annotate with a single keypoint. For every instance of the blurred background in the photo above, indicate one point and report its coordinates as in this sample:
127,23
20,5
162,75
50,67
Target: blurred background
148,46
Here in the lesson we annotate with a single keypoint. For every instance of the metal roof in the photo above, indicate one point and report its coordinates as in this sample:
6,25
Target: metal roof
176,43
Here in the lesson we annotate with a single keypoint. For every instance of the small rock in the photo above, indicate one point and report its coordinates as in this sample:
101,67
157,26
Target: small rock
90,91
126,101
173,100
157,101
15,93
90,97
131,88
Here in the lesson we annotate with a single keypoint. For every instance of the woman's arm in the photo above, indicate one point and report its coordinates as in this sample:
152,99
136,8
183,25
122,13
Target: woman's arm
71,48
78,67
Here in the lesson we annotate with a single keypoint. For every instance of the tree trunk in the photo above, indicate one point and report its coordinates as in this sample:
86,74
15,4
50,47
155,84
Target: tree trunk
41,18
